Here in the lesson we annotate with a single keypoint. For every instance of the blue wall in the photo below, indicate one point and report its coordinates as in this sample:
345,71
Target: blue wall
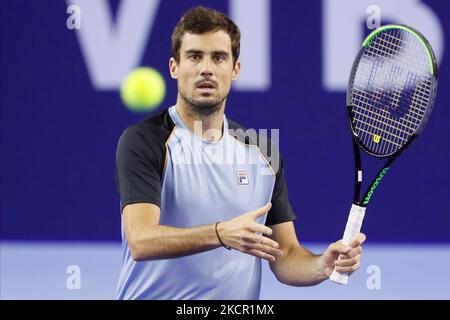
58,132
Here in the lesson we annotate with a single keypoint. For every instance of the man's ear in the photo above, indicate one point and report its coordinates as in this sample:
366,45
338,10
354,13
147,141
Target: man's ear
173,68
236,70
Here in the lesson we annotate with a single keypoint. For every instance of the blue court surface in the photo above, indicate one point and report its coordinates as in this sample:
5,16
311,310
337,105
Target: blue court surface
41,270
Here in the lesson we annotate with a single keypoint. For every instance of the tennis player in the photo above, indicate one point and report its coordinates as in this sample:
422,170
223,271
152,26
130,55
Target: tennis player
202,203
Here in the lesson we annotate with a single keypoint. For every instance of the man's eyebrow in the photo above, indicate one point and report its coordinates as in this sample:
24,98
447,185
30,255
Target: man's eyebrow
193,51
218,52
222,53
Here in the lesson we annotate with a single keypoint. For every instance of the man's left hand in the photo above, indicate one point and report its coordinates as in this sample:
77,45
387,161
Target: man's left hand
345,258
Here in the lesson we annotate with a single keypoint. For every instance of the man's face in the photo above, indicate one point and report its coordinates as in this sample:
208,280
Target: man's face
205,70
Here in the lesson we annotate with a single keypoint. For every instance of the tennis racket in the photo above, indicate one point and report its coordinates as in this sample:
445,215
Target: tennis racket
390,97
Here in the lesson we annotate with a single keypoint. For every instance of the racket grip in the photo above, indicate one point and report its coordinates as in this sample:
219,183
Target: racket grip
354,223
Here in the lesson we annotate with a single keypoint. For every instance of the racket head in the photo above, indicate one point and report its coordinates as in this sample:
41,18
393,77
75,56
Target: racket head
391,90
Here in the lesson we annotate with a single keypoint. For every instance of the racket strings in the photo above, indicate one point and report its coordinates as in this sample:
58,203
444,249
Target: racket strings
389,44
362,102
371,123
365,110
392,88
411,57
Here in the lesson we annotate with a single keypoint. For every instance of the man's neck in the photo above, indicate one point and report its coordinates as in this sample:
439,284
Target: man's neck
208,127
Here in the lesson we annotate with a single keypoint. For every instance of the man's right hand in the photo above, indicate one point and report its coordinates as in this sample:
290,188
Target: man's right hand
240,233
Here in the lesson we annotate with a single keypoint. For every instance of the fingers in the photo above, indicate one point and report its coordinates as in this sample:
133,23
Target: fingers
264,252
347,262
261,211
359,240
351,250
261,255
263,240
350,269
262,247
349,259
249,235
354,249
347,265
261,228
336,248
268,250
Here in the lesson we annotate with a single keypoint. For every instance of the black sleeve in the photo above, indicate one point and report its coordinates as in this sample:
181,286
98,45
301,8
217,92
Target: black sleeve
281,210
139,166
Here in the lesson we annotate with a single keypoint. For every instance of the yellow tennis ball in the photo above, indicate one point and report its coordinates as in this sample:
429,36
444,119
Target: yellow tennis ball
143,89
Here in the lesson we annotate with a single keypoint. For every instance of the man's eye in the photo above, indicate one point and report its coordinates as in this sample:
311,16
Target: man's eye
195,57
219,58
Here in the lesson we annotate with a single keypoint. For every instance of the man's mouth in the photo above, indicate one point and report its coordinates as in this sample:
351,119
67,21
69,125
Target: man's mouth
206,86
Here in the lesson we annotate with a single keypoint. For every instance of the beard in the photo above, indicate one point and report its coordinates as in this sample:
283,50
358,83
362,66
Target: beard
203,108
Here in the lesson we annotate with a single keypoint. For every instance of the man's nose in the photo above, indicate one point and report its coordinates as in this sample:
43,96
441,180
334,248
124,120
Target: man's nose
206,70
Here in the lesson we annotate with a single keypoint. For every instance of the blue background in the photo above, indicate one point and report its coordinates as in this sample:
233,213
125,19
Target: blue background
58,134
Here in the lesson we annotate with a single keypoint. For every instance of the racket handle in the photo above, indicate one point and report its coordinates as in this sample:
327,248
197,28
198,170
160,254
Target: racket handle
354,223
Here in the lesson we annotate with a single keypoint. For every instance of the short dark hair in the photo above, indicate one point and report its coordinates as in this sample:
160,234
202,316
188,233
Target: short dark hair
200,20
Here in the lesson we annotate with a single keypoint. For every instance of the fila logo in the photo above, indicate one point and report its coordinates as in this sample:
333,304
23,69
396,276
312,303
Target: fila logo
242,177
